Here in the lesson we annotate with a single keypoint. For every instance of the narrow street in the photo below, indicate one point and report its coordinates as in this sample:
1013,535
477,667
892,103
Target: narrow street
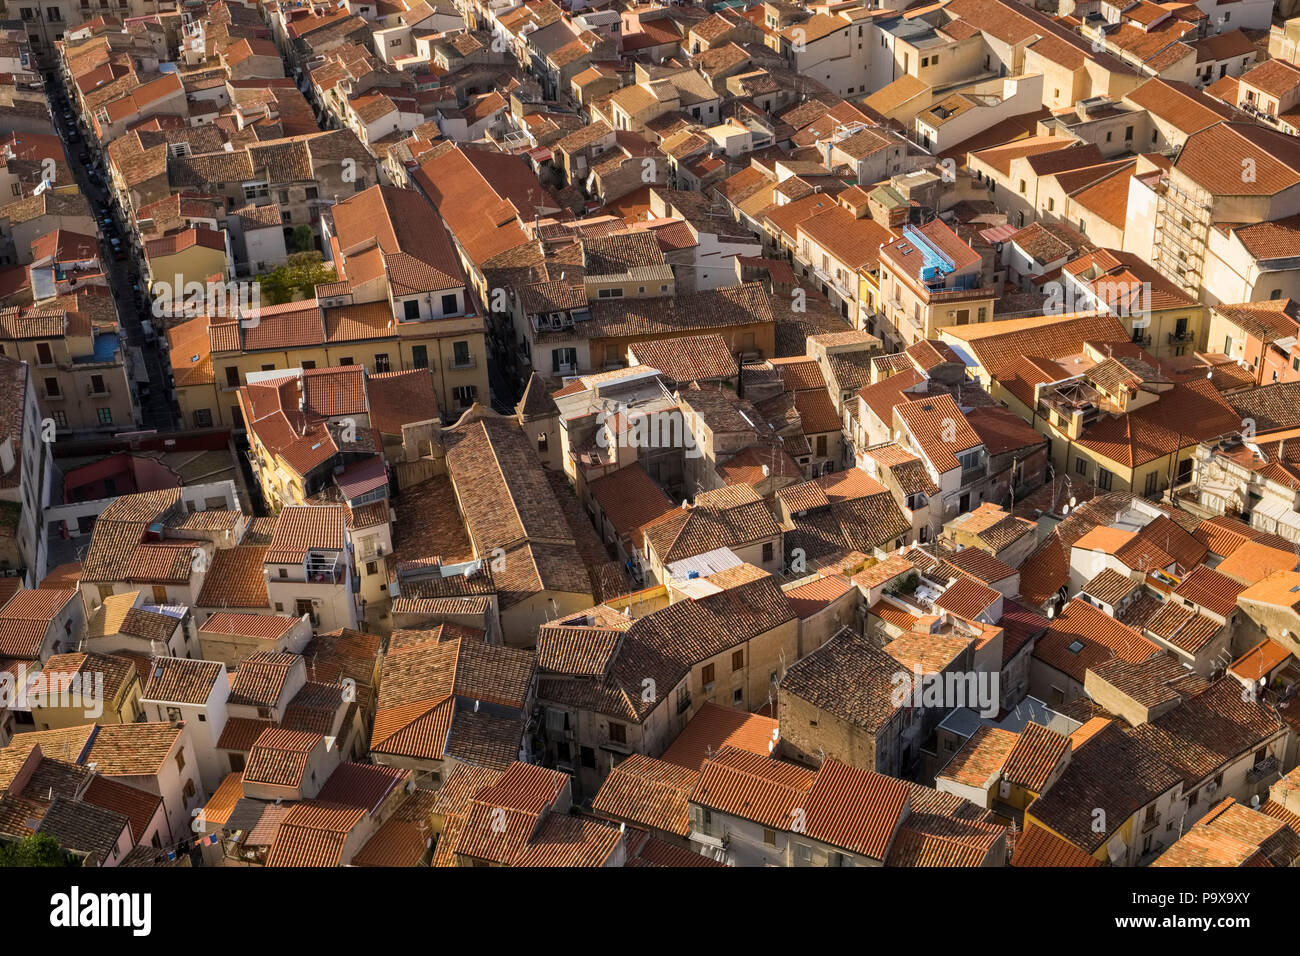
156,407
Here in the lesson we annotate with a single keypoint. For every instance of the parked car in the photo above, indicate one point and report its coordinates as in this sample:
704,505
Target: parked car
150,336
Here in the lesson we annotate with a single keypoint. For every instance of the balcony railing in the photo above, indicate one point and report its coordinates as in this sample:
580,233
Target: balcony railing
92,389
323,568
1176,337
1261,770
1151,822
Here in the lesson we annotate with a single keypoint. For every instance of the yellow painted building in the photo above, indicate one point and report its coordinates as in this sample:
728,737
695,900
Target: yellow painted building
78,688
209,364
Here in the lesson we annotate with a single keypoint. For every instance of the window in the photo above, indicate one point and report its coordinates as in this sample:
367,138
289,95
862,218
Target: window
1051,204
767,552
371,568
450,305
821,446
1104,479
105,415
346,360
43,354
232,377
610,294
617,733
61,418
1152,480
1080,466
381,362
802,854
268,368
52,388
410,310
308,364
1128,134
1022,186
464,395
737,659
769,837
587,757
189,789
97,385
706,675
203,418
419,356
460,357
738,697
542,443
284,572
564,360
180,754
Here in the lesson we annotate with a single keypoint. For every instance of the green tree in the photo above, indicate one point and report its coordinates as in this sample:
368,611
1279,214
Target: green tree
302,239
297,279
39,849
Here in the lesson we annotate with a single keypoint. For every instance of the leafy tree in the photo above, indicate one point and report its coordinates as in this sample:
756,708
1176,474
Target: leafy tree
297,279
302,240
39,849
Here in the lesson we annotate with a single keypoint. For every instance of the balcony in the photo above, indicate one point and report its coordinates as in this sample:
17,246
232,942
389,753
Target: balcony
1262,770
1151,822
1142,338
970,476
50,396
460,364
98,391
1178,338
684,704
323,567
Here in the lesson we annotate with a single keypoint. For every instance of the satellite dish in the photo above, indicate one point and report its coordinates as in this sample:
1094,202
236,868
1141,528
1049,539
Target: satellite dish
1065,510
1254,801
1072,501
